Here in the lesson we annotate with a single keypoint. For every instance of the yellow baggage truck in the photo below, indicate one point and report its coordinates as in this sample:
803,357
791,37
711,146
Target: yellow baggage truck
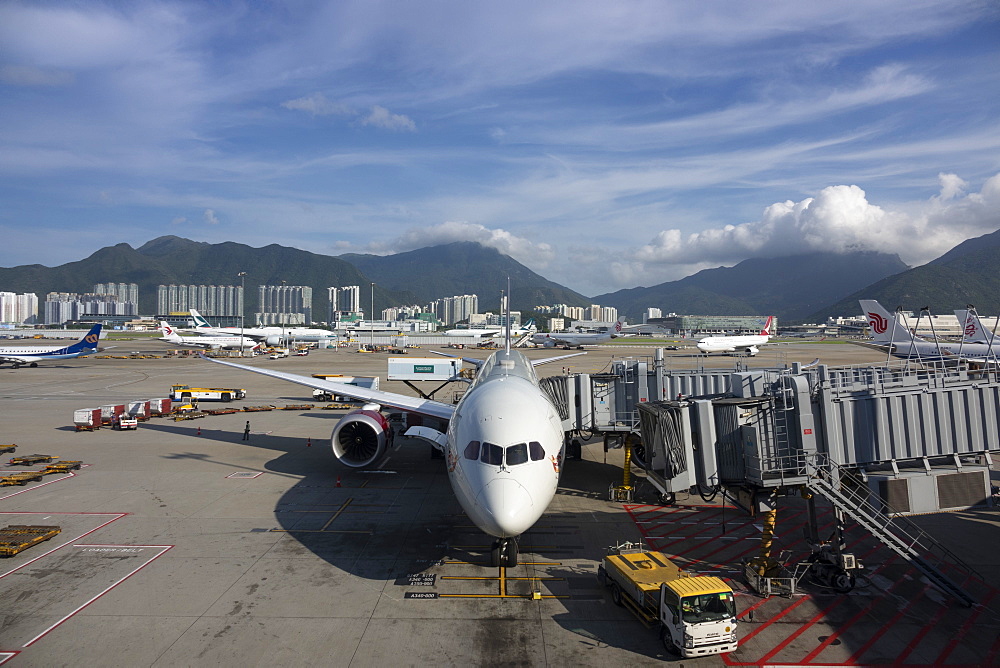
696,614
188,393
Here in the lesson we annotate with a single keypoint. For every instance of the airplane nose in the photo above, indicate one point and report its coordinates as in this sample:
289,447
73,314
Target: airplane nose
508,504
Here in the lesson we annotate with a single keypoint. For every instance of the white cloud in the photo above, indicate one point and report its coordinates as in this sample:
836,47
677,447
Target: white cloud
531,253
318,105
838,219
381,117
179,220
210,217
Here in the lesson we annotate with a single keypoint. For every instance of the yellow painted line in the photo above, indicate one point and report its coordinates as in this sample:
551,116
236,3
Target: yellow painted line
321,531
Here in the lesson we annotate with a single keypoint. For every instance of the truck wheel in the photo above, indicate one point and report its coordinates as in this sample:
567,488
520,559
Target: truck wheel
842,581
668,642
616,594
226,396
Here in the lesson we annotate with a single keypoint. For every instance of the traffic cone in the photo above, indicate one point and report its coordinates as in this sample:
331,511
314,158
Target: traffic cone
338,481
309,442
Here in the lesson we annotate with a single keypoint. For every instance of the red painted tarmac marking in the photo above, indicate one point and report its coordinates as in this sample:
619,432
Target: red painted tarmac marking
843,628
994,651
885,627
957,638
754,607
6,656
114,516
773,620
921,634
74,612
802,629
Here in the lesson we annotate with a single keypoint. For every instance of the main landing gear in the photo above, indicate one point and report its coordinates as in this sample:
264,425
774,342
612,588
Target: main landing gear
504,553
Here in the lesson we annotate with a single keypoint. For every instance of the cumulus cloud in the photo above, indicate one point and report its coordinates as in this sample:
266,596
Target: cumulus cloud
531,253
838,219
210,217
179,220
317,104
381,117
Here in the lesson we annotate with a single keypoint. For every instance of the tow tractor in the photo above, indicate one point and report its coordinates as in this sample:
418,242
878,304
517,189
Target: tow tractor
696,614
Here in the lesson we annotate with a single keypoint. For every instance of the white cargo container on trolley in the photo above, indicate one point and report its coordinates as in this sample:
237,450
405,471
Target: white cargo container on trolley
87,419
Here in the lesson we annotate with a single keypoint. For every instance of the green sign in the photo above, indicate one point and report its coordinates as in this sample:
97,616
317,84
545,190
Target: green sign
423,368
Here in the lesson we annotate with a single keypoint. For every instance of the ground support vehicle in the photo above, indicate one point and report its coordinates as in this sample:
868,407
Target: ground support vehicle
339,407
367,382
4,449
257,409
192,415
19,537
21,478
64,466
188,393
126,423
220,411
138,410
696,614
28,460
297,407
111,413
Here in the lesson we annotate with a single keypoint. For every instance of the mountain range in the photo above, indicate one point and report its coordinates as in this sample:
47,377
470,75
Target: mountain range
806,287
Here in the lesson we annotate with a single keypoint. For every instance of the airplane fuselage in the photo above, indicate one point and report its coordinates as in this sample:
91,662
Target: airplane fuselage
729,344
505,447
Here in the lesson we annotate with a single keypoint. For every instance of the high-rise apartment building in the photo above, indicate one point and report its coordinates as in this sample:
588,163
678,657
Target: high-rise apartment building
15,308
125,292
214,300
289,304
344,300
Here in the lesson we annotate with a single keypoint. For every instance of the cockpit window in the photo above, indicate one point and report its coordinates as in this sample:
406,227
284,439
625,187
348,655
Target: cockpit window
536,450
472,450
517,454
492,454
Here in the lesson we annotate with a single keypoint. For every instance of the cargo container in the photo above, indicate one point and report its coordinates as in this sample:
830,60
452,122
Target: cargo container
159,407
423,368
111,413
139,410
87,419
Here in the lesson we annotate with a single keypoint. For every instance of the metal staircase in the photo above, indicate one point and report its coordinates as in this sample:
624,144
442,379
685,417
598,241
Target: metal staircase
899,534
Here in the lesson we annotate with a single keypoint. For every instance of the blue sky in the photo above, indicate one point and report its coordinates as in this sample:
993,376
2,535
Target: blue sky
604,145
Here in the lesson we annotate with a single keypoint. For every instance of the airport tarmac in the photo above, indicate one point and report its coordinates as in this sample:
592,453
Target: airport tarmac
183,545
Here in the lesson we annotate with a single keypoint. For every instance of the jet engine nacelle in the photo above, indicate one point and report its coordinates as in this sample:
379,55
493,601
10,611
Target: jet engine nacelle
274,340
549,343
752,350
361,438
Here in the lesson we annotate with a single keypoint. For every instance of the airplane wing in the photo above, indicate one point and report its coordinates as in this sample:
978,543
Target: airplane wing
553,359
471,360
403,402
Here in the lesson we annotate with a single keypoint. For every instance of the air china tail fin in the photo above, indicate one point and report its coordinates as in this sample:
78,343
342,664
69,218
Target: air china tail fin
199,320
619,326
885,327
972,327
88,342
767,326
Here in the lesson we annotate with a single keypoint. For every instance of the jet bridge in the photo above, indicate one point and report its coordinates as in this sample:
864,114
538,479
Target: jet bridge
879,442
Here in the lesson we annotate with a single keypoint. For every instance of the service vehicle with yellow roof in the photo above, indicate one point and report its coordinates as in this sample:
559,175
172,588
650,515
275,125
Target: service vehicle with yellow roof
188,393
696,613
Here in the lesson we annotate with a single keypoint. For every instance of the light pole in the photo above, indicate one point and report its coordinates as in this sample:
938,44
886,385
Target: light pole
242,276
371,322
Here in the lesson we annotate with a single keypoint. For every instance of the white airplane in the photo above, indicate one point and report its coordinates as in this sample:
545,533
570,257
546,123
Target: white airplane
170,335
494,332
569,339
745,343
890,332
272,336
24,355
503,443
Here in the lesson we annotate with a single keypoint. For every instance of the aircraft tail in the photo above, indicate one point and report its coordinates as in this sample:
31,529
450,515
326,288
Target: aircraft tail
169,333
88,342
619,326
885,327
199,320
972,327
767,326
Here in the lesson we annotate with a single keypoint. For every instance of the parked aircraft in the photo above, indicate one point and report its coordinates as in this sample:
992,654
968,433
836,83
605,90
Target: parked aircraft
494,332
569,339
170,335
272,336
891,333
503,442
746,343
24,355
972,327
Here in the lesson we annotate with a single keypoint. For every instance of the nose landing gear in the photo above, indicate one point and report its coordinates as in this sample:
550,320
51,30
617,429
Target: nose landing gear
504,553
